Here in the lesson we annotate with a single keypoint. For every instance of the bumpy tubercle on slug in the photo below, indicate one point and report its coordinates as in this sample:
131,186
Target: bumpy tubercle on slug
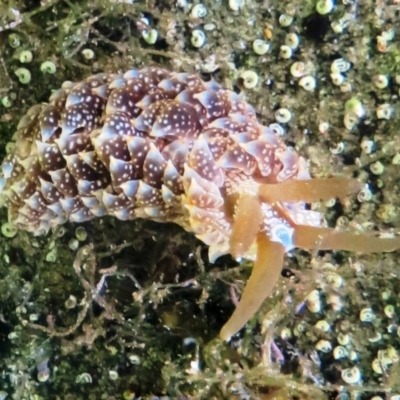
270,254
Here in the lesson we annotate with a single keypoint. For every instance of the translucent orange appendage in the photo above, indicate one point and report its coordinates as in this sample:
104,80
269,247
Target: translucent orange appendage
308,190
248,218
309,237
266,271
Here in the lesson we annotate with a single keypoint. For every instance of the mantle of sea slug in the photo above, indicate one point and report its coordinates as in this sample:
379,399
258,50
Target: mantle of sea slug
148,143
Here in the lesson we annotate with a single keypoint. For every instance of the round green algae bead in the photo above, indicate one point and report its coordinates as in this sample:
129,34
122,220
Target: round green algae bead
24,75
81,234
48,67
8,229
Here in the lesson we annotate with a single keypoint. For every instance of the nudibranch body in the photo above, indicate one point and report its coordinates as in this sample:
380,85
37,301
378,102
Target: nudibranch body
168,146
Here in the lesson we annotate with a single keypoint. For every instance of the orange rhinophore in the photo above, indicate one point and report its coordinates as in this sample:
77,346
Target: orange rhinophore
170,147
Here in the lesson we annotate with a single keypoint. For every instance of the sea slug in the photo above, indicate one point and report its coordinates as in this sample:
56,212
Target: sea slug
168,146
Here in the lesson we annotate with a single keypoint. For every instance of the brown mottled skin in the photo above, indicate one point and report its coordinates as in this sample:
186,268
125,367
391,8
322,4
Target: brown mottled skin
168,146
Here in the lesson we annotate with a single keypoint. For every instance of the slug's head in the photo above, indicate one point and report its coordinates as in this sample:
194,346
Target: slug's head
274,220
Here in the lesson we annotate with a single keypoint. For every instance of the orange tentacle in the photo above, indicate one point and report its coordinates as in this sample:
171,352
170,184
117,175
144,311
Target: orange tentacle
309,237
308,190
265,274
248,218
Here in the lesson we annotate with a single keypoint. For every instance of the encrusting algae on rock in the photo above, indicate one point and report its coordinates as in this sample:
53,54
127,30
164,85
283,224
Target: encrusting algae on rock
170,147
